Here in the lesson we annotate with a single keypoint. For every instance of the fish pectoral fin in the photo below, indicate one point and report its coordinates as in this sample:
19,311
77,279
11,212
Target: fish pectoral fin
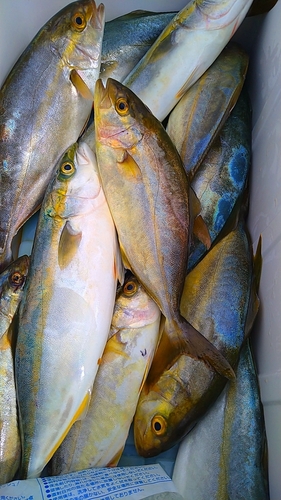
119,270
68,245
201,231
129,167
80,85
166,355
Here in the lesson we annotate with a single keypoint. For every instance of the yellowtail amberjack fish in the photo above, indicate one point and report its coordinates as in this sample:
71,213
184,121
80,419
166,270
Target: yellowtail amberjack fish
220,296
12,282
223,457
147,191
66,311
98,440
201,112
221,179
44,111
184,50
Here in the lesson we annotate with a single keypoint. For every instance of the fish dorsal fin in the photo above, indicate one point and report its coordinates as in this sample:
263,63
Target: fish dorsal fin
68,245
80,85
254,301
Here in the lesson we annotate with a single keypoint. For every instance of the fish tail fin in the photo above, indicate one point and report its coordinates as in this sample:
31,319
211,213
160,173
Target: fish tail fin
186,340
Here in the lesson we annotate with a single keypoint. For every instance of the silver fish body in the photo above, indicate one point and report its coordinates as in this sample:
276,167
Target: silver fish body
46,101
184,50
229,443
66,311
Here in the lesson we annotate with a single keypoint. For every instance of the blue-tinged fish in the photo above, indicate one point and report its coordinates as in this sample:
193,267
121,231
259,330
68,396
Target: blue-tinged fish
184,51
225,456
65,314
201,112
12,282
45,103
221,179
219,297
98,440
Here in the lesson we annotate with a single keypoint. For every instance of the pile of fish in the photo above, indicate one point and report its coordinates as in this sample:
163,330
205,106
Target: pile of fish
141,289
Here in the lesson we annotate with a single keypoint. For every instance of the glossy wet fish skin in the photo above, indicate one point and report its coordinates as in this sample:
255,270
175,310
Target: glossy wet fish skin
66,311
201,112
127,38
183,52
44,111
221,179
217,296
12,282
98,439
229,441
146,186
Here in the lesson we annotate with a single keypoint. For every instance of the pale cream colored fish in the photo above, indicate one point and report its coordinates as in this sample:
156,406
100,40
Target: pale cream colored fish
46,101
98,440
12,282
66,312
184,50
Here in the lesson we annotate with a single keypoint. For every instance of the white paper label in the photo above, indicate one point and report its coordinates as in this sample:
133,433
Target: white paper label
99,483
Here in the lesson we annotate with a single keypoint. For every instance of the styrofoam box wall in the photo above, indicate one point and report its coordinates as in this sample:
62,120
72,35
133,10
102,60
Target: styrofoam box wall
19,22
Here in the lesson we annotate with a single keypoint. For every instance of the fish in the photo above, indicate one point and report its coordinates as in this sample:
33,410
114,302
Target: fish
229,442
200,114
12,282
66,311
221,181
220,295
127,38
184,51
98,440
147,192
46,100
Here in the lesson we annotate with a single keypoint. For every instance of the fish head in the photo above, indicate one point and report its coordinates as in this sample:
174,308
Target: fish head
76,34
159,418
75,188
12,281
120,116
134,308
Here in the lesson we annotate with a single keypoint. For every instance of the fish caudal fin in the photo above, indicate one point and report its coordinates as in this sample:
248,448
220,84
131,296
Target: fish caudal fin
181,338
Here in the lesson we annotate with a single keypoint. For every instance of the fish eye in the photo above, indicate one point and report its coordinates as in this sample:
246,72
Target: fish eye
17,278
159,425
67,169
130,288
78,21
122,106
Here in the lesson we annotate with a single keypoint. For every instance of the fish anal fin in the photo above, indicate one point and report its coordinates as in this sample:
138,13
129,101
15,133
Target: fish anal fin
68,245
80,85
79,415
114,461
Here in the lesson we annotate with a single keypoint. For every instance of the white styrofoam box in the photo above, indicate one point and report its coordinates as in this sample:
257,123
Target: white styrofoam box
19,22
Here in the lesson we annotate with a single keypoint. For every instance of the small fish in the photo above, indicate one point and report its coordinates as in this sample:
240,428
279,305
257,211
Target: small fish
201,112
127,38
46,101
98,439
184,51
66,311
220,296
224,456
12,282
221,179
147,191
